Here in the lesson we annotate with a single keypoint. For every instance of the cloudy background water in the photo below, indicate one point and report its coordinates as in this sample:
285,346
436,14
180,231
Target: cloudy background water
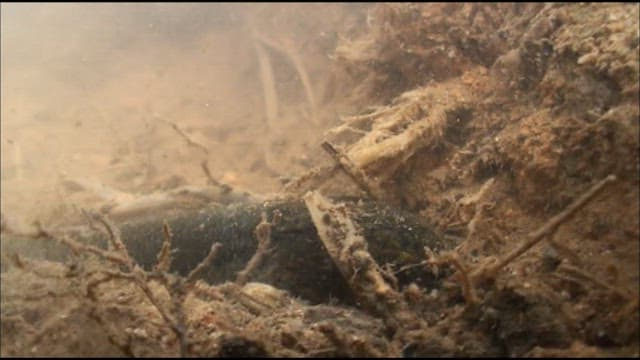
90,90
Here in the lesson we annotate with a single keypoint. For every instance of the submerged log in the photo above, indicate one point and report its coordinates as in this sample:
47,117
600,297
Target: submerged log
297,262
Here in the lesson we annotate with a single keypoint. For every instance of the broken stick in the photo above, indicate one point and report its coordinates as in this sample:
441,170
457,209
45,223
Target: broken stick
545,231
348,250
357,175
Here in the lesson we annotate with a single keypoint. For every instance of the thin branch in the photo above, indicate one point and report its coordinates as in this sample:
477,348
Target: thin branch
411,266
213,252
163,262
352,171
263,234
186,137
113,232
78,248
348,250
468,288
211,180
546,230
108,276
133,272
312,179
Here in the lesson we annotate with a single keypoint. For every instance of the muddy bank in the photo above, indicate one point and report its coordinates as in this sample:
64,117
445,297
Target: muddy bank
511,129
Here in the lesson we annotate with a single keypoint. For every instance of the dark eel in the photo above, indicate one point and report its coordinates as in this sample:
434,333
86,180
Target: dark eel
298,262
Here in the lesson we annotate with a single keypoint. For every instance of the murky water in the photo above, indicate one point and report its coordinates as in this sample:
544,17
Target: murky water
93,91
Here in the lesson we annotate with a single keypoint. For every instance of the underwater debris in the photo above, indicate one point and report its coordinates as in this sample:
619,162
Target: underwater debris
520,115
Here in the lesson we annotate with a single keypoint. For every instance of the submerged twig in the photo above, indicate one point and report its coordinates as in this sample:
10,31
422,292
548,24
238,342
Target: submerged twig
312,179
489,269
119,256
141,279
211,180
348,250
213,252
263,234
114,235
546,230
163,260
468,288
357,175
186,137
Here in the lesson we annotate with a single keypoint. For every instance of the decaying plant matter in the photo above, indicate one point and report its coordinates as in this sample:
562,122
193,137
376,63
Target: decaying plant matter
263,234
184,316
118,255
511,128
370,283
488,271
417,120
489,147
